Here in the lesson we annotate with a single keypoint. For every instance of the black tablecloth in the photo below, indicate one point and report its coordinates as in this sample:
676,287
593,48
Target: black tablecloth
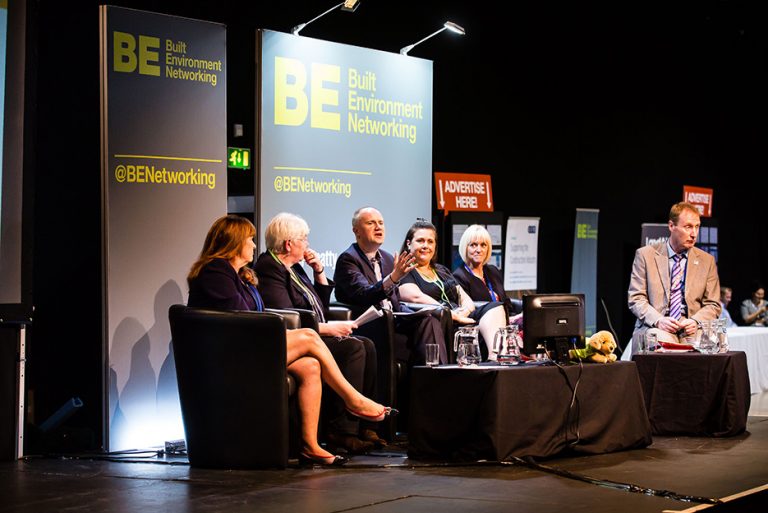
495,413
695,394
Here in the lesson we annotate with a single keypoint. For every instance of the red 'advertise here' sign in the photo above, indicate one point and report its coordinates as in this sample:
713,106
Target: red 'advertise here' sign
699,196
463,191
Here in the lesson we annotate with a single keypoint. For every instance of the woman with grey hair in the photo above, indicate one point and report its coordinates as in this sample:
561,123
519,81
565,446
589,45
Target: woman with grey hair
285,284
481,280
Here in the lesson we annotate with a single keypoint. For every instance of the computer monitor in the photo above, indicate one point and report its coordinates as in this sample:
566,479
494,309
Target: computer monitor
553,323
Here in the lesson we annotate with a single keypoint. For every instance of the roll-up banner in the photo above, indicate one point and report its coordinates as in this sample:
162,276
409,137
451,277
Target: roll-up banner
163,119
584,267
521,253
342,127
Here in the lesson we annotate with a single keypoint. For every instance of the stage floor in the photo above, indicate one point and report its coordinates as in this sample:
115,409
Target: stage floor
388,482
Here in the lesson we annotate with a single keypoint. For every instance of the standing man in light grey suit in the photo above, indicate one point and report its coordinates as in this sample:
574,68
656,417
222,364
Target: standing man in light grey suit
674,285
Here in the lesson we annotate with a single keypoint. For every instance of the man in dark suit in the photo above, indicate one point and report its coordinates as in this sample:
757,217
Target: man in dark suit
366,275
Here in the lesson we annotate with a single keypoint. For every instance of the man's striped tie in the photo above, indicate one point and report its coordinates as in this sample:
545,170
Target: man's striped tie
676,297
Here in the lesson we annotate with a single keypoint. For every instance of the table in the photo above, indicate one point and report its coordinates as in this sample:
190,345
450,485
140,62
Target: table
496,413
695,394
754,342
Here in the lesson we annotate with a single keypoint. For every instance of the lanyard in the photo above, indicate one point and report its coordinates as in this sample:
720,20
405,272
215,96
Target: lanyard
494,296
437,281
305,291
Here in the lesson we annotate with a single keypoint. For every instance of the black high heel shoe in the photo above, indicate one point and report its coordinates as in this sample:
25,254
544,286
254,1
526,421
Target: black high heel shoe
386,412
326,461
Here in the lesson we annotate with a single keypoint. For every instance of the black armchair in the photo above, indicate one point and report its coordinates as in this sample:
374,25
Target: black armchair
308,319
233,388
291,318
516,306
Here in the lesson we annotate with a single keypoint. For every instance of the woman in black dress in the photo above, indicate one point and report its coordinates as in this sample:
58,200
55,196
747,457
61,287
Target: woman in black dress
432,283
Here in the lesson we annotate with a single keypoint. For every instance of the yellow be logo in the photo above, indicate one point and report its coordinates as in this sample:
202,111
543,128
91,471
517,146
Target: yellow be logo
124,57
291,102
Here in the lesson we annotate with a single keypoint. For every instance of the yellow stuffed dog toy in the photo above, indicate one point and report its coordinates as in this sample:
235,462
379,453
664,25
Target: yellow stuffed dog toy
599,348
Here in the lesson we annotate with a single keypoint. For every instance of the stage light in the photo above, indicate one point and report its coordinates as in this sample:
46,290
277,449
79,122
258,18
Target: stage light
447,25
347,5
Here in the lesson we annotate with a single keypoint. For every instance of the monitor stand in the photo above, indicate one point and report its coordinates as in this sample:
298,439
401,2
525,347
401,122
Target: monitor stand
562,345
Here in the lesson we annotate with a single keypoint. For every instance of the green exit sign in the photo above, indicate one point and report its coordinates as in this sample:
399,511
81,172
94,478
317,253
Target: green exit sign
239,158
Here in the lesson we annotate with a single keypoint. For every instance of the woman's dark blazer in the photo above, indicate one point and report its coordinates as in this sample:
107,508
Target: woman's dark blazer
476,288
278,289
218,286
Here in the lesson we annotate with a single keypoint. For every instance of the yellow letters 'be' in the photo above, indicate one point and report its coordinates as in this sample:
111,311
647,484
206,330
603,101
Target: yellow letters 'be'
296,115
125,60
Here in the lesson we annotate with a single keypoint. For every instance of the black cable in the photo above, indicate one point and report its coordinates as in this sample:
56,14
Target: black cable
144,456
613,331
627,487
573,406
125,455
130,451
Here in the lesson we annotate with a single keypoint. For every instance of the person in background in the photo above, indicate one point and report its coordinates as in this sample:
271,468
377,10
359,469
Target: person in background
221,279
285,284
726,293
432,283
480,280
674,285
753,311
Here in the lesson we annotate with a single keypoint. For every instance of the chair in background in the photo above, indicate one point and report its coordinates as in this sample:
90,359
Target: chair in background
233,386
517,306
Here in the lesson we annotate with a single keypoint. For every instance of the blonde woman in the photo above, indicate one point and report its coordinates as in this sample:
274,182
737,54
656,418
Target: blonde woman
480,280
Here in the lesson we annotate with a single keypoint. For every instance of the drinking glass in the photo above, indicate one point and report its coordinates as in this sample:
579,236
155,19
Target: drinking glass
649,343
433,355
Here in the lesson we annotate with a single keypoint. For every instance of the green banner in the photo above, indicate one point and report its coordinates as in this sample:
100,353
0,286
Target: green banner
584,268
